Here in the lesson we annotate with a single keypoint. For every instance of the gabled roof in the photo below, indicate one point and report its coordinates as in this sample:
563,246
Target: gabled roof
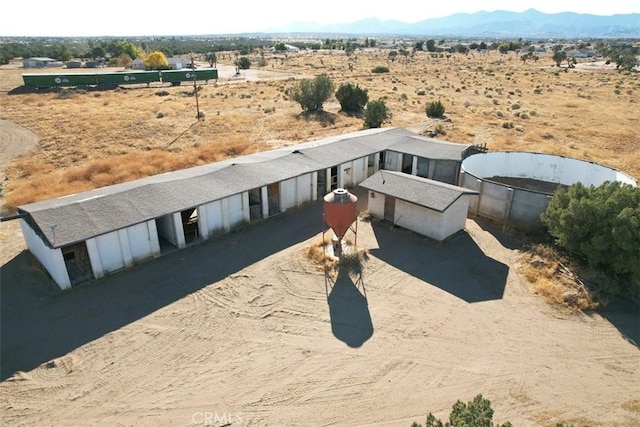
89,214
435,195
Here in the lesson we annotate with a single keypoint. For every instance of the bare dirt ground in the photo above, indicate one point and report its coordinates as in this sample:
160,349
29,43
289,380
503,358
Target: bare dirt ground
244,330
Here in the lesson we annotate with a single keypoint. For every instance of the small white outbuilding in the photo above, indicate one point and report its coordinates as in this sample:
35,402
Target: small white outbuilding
431,208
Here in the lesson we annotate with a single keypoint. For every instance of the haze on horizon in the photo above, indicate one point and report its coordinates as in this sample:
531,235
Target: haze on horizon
66,18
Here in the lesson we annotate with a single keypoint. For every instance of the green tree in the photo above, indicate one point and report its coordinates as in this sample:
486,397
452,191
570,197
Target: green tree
280,47
435,109
243,63
352,98
475,413
559,55
376,113
156,61
212,59
129,48
431,45
62,52
600,225
312,94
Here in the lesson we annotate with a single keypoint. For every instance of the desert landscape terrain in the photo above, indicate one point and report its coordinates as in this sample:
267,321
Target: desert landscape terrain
246,330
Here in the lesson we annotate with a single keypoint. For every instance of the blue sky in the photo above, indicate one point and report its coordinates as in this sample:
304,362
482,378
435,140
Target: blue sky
131,17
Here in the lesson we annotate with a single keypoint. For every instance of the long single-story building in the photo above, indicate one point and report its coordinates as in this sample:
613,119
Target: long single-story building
432,208
94,233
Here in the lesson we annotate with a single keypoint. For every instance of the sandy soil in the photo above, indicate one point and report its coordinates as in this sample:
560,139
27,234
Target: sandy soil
244,330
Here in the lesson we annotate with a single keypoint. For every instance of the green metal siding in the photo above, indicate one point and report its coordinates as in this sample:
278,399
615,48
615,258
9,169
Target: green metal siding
187,75
59,80
133,77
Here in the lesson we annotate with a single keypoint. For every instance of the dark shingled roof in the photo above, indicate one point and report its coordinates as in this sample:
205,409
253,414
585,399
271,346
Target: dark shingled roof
429,148
85,215
420,191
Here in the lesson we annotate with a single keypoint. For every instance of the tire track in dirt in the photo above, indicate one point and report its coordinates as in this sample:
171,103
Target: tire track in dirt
14,141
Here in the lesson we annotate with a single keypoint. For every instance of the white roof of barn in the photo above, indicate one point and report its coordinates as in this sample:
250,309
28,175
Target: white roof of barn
89,214
428,193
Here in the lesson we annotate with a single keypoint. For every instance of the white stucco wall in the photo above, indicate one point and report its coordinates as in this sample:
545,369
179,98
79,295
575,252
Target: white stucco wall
542,167
109,252
288,194
305,188
455,218
51,259
123,248
419,219
236,210
430,223
212,218
360,170
375,204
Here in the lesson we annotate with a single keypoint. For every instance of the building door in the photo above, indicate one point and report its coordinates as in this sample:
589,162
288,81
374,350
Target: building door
273,194
407,163
76,258
322,183
334,178
381,161
390,208
255,204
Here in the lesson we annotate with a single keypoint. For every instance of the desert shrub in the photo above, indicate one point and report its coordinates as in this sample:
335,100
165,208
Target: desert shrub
312,94
435,109
508,125
352,97
243,63
380,69
601,226
376,113
475,413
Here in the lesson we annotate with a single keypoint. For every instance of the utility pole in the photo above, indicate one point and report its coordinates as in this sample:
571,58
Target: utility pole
195,88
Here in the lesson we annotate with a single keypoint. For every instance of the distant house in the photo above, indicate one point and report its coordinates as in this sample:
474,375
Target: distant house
41,62
175,63
580,53
431,208
288,48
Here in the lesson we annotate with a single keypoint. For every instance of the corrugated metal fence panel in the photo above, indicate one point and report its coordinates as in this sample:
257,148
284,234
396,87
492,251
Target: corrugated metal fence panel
526,208
493,200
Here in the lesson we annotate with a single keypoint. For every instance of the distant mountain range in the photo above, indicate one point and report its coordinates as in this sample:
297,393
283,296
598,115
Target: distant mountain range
498,24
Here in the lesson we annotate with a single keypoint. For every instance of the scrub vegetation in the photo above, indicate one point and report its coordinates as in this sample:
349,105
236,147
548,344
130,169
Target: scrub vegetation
574,114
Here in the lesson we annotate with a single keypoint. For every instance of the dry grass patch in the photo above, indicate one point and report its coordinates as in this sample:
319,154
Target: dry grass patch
82,127
319,253
551,276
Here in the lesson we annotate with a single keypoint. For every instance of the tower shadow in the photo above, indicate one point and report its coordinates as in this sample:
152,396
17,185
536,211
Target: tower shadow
348,309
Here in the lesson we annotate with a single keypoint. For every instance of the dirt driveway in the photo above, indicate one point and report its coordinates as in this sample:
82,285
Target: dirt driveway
243,330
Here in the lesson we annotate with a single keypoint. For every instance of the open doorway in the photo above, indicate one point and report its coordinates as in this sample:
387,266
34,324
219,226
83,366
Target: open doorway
334,178
321,182
255,204
76,259
407,163
190,224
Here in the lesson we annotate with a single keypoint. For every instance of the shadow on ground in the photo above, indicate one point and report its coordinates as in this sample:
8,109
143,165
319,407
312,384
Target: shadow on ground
625,316
457,265
39,323
349,310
